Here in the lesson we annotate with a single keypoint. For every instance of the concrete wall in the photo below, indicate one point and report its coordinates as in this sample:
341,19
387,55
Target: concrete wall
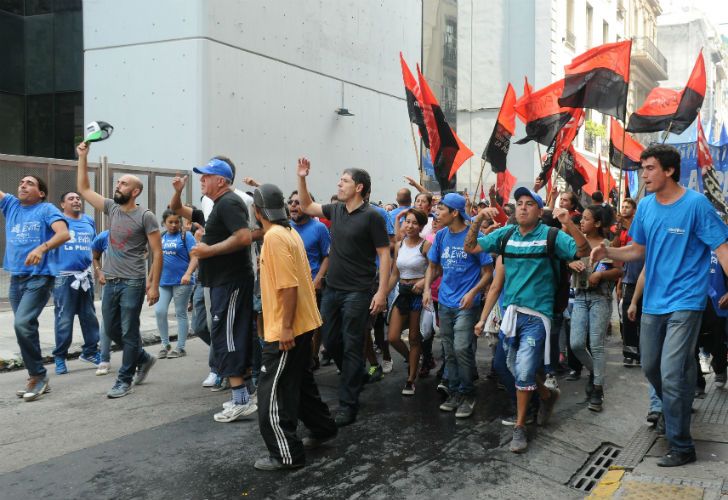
182,80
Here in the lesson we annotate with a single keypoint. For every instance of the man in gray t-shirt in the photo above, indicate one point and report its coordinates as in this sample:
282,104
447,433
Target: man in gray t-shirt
131,229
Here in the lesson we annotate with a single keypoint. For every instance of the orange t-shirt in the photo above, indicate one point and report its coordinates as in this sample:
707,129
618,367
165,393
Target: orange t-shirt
283,264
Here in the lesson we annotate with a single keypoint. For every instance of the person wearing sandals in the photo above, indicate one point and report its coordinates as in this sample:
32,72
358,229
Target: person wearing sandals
410,264
176,283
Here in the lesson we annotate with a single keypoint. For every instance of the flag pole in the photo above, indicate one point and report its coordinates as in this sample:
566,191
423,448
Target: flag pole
624,138
417,156
480,177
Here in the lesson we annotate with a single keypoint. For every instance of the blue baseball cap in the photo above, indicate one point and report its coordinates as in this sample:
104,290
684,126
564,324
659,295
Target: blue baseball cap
524,191
215,167
456,201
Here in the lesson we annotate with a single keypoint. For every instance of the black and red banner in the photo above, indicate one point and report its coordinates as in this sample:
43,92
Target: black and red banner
598,79
691,99
656,112
542,114
499,144
448,153
414,100
628,148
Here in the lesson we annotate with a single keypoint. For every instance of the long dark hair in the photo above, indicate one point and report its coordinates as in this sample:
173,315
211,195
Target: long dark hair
603,216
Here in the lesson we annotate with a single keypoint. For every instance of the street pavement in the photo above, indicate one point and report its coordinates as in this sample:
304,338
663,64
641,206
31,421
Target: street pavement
161,441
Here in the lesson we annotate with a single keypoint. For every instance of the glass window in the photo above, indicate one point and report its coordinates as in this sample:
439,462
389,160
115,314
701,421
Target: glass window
12,116
68,124
68,51
39,132
12,70
39,54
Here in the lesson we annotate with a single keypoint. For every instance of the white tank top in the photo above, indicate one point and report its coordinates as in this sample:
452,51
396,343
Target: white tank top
410,262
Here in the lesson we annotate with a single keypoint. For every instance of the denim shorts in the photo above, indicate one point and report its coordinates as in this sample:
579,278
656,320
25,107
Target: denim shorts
524,352
408,302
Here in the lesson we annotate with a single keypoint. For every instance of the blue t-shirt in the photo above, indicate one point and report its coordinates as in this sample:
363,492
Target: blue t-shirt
75,254
316,239
26,227
100,242
392,217
176,255
717,286
460,270
678,239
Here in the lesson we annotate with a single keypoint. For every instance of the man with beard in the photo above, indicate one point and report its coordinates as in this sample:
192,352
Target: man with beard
131,229
73,293
316,240
32,229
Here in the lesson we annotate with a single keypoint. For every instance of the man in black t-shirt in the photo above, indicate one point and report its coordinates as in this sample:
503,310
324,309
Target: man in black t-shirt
227,275
358,236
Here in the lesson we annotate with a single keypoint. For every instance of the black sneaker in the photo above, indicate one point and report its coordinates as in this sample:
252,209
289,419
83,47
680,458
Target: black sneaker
589,389
596,399
409,389
375,374
344,416
677,458
269,463
628,362
652,417
660,425
143,370
313,442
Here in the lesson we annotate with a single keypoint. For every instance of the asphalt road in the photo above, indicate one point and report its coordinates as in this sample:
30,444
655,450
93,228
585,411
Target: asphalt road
161,441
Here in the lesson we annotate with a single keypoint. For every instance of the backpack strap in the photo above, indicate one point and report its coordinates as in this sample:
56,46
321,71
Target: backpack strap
504,240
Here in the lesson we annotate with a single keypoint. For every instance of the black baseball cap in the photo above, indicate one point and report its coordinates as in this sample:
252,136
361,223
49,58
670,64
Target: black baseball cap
271,203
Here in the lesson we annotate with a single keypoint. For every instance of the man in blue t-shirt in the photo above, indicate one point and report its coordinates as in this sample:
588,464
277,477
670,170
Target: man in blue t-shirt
674,230
528,296
464,278
32,229
73,293
404,202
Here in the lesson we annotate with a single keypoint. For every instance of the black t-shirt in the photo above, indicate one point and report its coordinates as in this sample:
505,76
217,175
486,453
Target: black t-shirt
355,238
228,215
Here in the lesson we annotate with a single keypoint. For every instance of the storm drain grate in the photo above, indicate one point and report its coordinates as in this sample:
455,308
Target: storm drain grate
636,448
596,466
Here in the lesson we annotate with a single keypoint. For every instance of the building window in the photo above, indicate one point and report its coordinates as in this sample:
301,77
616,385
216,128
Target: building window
570,36
605,32
589,25
450,48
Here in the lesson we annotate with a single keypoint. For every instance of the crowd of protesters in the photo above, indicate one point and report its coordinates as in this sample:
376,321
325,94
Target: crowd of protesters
279,285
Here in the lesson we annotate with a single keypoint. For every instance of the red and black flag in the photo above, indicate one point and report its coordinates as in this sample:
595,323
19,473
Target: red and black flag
605,180
631,149
656,112
561,143
496,151
414,100
598,79
448,153
691,99
711,185
542,114
504,184
572,171
527,91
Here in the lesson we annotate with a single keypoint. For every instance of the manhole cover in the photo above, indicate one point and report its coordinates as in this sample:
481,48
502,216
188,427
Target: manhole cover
595,467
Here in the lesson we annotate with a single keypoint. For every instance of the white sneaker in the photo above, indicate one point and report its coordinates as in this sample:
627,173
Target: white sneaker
387,366
551,382
103,368
235,412
705,363
210,380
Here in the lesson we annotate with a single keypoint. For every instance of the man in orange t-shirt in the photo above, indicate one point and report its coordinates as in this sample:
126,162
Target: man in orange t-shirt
287,390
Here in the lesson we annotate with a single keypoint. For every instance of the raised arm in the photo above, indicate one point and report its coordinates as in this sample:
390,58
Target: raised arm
307,204
419,187
629,253
471,239
175,204
83,184
582,245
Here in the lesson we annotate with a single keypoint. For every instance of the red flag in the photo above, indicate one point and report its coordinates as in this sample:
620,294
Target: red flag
606,180
446,149
497,148
598,79
711,186
631,148
600,177
527,91
482,190
414,100
656,112
543,115
591,171
505,182
567,134
691,99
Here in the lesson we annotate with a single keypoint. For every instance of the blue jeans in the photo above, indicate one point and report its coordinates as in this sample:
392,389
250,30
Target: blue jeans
68,303
590,317
655,402
667,349
524,351
456,332
500,364
28,296
105,344
345,317
181,295
121,305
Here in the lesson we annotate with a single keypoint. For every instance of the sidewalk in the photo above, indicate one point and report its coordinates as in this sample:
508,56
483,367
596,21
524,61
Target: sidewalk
10,354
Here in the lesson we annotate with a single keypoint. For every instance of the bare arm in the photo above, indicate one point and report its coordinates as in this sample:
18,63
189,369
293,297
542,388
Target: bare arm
491,299
323,269
394,275
471,239
582,245
307,204
98,273
60,228
155,271
722,253
379,301
433,272
175,204
288,298
236,241
629,253
419,187
486,275
83,184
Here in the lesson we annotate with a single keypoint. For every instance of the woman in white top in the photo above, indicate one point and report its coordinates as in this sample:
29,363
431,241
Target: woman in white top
409,266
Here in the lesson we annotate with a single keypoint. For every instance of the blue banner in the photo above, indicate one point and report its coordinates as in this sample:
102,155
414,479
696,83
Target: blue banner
690,175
